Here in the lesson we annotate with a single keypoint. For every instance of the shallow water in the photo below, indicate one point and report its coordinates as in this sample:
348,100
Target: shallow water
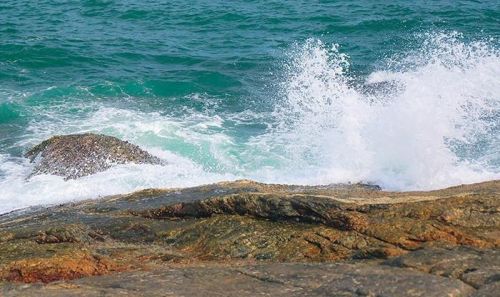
405,95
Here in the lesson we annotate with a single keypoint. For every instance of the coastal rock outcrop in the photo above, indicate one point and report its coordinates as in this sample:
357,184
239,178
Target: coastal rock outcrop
77,155
353,240
265,279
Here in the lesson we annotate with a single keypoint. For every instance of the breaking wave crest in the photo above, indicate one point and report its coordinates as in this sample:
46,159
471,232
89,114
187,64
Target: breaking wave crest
427,119
430,119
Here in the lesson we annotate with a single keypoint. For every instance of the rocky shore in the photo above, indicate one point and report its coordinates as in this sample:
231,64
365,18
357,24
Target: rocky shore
250,239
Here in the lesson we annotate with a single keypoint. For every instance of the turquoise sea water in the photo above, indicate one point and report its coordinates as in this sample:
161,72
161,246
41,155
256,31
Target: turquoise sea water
405,94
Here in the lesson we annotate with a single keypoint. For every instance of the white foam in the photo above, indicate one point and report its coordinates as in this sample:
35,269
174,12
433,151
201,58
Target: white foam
17,192
446,94
432,121
162,136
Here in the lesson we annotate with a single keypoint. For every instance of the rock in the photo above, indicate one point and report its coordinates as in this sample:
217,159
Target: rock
68,233
385,220
382,88
75,265
275,279
490,290
474,267
298,207
74,156
235,236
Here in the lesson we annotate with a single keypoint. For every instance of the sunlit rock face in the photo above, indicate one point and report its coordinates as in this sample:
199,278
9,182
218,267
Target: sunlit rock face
74,156
283,240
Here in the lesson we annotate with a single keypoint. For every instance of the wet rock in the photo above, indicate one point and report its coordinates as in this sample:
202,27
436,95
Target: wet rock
382,89
301,208
192,241
65,267
490,290
259,280
472,266
74,156
69,234
386,220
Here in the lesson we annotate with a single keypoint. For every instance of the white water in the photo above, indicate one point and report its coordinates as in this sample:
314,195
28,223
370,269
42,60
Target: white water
431,121
407,135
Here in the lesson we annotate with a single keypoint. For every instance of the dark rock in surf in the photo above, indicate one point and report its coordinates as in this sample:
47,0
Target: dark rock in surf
74,156
382,89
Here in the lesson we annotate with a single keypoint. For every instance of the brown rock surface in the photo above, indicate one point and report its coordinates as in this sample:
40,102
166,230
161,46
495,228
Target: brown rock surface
59,267
274,279
234,237
474,267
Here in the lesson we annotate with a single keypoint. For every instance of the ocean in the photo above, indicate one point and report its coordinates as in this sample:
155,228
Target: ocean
403,94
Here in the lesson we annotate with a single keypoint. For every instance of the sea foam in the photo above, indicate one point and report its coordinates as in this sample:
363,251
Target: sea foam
433,120
426,119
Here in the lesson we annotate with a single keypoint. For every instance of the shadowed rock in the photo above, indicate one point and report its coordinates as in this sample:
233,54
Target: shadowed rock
74,156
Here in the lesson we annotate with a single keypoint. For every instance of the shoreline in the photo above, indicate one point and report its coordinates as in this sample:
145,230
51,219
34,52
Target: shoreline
325,186
356,236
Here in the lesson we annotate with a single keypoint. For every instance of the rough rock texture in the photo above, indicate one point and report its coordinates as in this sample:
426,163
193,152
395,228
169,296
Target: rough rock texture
474,267
74,156
236,238
276,279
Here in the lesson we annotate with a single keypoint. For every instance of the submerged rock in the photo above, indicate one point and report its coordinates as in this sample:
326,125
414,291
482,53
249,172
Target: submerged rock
77,155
